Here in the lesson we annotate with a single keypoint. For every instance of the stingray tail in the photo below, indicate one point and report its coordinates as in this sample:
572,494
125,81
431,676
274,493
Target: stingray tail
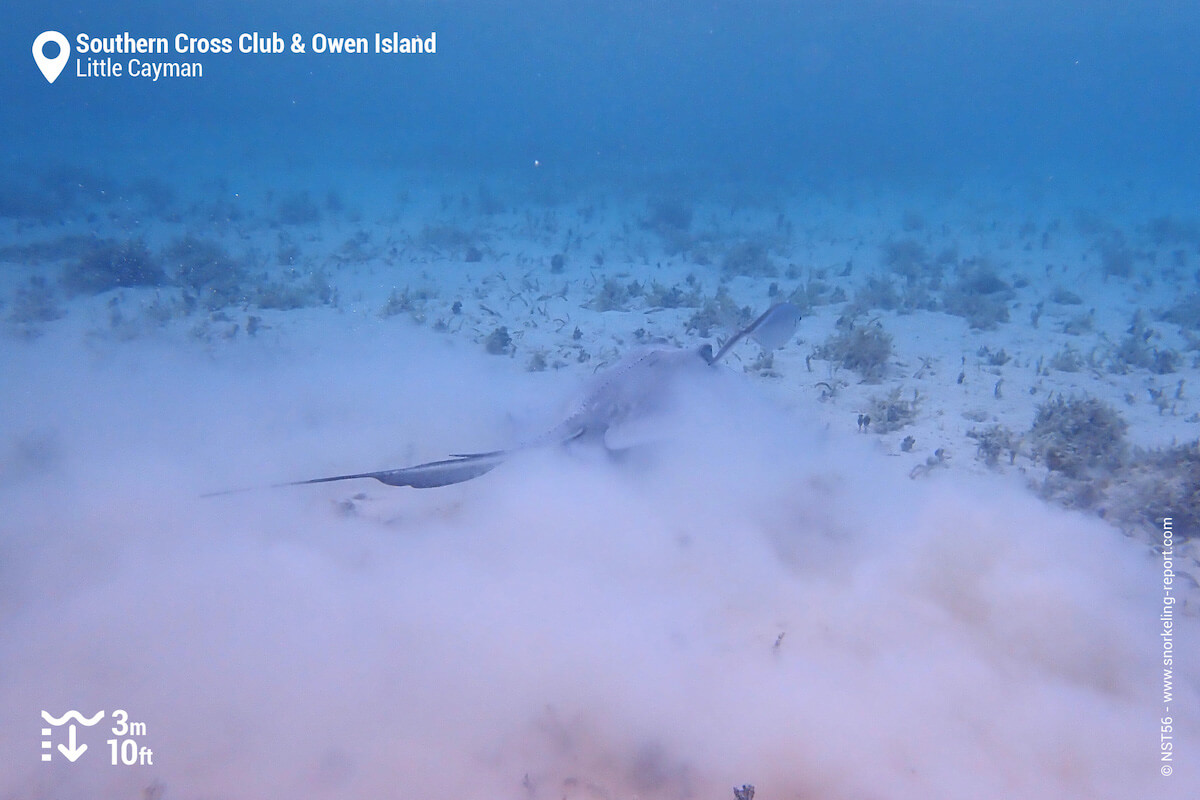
446,472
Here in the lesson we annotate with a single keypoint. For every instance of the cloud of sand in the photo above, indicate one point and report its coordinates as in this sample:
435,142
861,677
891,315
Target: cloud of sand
752,602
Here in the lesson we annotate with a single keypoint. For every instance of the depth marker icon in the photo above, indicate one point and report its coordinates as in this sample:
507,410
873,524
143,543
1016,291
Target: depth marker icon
71,750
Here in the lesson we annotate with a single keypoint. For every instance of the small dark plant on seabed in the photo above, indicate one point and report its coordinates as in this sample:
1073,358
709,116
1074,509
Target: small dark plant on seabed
1078,435
864,349
110,264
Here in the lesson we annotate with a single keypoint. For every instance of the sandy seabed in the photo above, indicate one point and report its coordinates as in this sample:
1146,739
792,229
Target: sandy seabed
769,595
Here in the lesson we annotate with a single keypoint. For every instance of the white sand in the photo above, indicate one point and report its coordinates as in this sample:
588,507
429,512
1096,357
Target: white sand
770,599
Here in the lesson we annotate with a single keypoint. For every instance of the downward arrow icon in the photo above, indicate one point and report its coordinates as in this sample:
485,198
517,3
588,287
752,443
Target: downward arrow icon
70,750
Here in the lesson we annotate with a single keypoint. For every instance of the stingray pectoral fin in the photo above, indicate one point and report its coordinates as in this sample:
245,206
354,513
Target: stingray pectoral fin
426,476
772,330
488,454
441,473
776,326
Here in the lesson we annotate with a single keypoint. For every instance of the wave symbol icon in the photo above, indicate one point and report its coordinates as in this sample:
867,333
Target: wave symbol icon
75,715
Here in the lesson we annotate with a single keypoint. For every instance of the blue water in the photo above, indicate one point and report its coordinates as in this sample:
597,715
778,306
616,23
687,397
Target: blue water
771,91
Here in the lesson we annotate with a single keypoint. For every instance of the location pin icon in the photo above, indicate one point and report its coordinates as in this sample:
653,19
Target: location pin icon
51,67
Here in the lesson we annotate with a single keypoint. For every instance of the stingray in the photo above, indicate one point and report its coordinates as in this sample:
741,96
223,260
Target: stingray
620,409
